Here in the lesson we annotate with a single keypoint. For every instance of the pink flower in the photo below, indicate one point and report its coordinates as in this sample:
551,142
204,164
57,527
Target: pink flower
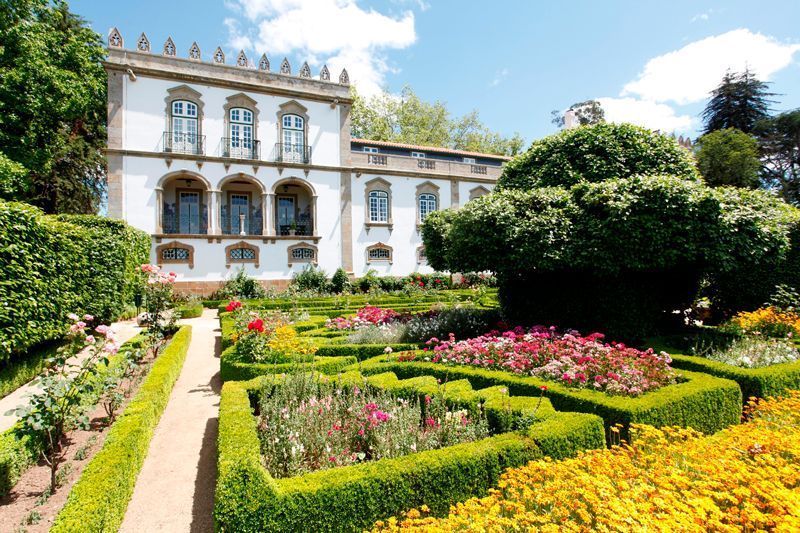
102,329
90,339
88,318
73,317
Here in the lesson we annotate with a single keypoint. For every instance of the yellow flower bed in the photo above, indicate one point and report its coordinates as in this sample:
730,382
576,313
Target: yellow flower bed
286,341
769,321
743,478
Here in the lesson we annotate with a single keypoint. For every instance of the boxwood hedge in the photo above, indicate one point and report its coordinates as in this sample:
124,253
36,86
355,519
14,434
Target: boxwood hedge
99,499
352,498
232,369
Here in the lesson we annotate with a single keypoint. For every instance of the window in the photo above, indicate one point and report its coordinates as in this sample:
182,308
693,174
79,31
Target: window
293,138
241,133
239,212
242,254
418,155
378,206
379,253
469,160
189,212
175,253
303,254
427,204
477,192
370,149
183,126
422,259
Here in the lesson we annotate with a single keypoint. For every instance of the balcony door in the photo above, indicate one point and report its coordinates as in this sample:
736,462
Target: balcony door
241,134
286,213
189,212
240,206
184,137
294,142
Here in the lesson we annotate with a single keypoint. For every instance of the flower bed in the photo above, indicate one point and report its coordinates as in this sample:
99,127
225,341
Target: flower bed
351,498
365,317
573,360
769,321
741,479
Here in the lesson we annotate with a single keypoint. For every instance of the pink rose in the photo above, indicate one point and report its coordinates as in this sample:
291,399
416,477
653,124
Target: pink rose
90,339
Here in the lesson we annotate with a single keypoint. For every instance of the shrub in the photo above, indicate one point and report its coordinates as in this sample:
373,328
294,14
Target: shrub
312,279
53,265
240,286
340,282
728,157
741,479
597,153
99,499
462,321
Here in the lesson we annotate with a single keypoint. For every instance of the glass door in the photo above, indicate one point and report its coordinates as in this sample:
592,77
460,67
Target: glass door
189,212
286,214
293,146
240,205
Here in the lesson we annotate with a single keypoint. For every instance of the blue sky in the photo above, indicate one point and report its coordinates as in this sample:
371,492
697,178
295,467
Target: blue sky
514,61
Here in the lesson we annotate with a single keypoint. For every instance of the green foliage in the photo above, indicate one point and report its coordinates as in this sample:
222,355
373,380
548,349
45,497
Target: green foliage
99,499
56,130
340,282
586,114
728,157
311,278
50,268
362,351
596,153
408,119
192,310
14,180
231,368
240,286
779,137
248,499
740,101
22,368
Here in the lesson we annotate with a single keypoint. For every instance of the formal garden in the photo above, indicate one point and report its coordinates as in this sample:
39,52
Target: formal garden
620,353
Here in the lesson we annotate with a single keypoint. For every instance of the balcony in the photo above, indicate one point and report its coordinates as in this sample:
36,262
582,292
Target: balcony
178,142
434,167
238,148
292,153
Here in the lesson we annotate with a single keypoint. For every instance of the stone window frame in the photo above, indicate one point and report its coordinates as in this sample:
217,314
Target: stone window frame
173,245
184,92
422,259
380,246
242,101
293,261
293,107
378,184
478,191
426,187
241,244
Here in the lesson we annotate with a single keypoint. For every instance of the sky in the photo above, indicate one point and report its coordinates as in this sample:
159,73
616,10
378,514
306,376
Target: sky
648,62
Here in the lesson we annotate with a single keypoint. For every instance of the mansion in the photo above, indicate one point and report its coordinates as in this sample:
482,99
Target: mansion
236,164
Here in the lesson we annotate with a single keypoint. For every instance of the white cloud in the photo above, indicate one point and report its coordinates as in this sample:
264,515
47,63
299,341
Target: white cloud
702,16
645,113
337,32
498,77
687,75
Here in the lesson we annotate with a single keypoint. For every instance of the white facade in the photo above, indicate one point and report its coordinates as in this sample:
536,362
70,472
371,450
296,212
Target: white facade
233,166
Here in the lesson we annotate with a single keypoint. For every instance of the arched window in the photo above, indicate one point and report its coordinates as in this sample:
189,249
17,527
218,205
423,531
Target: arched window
241,133
294,138
379,253
378,206
302,253
427,204
241,252
175,253
183,127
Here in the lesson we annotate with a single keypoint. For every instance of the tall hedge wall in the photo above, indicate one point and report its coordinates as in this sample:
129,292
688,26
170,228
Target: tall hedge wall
51,266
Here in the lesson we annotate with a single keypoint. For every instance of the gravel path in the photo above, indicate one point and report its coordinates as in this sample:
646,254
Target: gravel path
124,330
175,489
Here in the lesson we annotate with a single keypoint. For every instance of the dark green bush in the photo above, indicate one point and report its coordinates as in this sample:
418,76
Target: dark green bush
312,279
240,286
98,501
51,266
597,153
340,282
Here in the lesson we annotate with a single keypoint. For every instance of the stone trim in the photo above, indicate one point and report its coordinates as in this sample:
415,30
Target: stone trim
346,220
478,191
426,187
243,101
184,92
246,246
421,257
377,184
171,246
293,107
379,246
292,260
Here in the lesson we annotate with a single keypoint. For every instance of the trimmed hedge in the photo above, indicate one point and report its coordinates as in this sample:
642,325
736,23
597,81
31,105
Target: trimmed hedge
99,499
190,311
352,498
700,401
230,369
51,266
22,368
362,351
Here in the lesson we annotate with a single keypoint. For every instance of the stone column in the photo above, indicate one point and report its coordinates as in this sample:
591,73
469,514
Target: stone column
346,220
159,210
269,217
314,215
216,208
265,214
454,194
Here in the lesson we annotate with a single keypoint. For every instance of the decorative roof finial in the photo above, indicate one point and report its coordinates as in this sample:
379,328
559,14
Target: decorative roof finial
241,59
344,78
143,44
286,68
219,55
194,52
305,71
325,74
169,47
115,38
263,64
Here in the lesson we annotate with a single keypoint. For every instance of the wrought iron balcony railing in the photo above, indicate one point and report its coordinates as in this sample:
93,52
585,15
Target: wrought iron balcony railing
292,153
239,148
179,142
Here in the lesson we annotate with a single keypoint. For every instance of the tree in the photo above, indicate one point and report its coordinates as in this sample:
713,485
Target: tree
780,149
408,119
14,184
587,113
740,101
728,157
53,103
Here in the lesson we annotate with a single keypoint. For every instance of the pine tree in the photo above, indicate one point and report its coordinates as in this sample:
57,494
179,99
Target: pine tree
740,101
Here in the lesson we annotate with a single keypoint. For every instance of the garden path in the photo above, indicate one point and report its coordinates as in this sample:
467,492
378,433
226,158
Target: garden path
175,489
125,330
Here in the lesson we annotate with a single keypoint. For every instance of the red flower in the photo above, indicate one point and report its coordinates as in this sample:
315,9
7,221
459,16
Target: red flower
543,387
233,305
256,325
